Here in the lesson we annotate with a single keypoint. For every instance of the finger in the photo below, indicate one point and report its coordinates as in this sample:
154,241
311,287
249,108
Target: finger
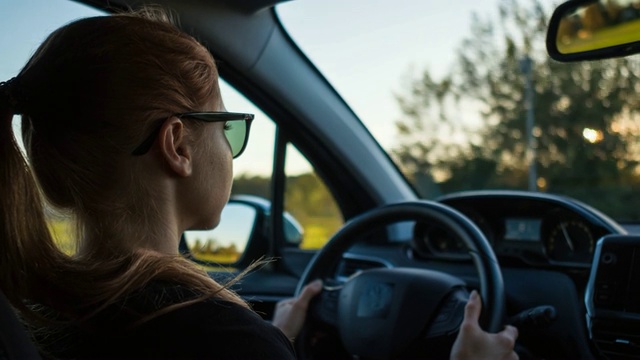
506,339
510,356
511,332
309,291
285,302
473,308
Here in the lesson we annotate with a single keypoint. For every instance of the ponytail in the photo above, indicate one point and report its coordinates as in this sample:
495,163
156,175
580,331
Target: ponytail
26,245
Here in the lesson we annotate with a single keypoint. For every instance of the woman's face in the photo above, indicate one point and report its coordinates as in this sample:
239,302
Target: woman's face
212,174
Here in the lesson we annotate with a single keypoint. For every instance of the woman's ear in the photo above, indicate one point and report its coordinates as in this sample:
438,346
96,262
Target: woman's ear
174,148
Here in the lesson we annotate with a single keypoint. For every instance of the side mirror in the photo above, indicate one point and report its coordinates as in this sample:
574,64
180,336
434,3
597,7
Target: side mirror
594,29
242,235
227,242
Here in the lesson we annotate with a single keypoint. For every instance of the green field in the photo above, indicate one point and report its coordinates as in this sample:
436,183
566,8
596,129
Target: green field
62,231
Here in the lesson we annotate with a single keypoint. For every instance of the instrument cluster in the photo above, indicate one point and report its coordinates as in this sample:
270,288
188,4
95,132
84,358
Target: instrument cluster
533,227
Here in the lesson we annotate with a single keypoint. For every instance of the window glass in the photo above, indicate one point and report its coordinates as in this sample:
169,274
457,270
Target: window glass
483,107
25,25
309,201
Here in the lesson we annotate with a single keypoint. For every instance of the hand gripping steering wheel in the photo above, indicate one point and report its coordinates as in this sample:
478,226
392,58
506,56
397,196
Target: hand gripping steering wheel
379,313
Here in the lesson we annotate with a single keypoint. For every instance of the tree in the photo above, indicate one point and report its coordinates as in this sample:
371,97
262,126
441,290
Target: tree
252,185
580,110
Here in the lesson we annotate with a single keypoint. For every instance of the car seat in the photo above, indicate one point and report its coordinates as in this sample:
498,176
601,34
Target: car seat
14,341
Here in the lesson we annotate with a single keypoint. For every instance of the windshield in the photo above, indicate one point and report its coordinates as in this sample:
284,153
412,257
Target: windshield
463,96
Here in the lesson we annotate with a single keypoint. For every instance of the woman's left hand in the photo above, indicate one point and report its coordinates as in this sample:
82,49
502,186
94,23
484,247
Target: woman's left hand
290,314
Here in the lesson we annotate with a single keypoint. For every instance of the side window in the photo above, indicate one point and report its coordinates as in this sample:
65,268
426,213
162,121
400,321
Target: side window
309,201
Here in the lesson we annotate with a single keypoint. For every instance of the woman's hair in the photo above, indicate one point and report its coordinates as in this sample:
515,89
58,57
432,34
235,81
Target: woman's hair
88,96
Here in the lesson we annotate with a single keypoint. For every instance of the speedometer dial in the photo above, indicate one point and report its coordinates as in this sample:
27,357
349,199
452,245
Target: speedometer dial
439,240
435,240
570,241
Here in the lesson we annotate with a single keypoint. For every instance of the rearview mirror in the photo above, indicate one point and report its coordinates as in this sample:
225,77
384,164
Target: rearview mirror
594,29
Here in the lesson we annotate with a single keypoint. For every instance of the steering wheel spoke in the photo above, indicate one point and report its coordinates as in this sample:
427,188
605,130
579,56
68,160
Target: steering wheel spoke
449,316
325,306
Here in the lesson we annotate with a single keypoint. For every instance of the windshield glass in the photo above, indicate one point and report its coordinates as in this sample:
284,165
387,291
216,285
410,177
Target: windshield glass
463,96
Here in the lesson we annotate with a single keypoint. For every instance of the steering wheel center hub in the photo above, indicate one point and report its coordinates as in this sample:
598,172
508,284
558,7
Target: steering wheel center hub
391,304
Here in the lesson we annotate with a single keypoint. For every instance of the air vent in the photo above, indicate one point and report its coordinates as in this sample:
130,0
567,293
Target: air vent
617,339
351,264
619,349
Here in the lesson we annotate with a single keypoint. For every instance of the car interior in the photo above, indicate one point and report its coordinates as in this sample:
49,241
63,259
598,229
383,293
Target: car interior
398,267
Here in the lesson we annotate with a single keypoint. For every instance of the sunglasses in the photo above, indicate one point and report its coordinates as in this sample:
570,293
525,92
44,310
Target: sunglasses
236,130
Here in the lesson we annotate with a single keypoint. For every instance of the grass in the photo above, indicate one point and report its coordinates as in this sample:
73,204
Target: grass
63,231
217,258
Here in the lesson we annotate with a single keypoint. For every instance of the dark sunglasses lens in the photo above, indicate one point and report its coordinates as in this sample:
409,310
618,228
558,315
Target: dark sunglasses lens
236,133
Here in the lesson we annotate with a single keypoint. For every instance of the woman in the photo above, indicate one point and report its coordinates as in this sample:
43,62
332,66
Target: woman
125,128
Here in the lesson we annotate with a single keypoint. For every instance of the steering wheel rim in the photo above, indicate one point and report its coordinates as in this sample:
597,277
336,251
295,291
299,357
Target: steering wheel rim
484,259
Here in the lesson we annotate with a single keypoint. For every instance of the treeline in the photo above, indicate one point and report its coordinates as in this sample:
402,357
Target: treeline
586,133
306,198
210,250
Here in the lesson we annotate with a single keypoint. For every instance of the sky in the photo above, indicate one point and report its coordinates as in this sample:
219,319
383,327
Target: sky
366,48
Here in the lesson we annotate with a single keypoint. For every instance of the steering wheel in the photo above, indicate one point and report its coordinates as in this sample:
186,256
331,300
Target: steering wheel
380,313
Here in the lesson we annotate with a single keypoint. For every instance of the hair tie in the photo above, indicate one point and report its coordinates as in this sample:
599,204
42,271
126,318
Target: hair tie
12,95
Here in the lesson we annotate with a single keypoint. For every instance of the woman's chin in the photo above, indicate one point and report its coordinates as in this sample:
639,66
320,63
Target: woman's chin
208,224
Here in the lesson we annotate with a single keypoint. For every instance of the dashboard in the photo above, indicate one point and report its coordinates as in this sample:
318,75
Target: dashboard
534,228
545,245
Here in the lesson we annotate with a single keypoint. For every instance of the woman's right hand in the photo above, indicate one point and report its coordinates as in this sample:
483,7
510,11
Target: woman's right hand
474,343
